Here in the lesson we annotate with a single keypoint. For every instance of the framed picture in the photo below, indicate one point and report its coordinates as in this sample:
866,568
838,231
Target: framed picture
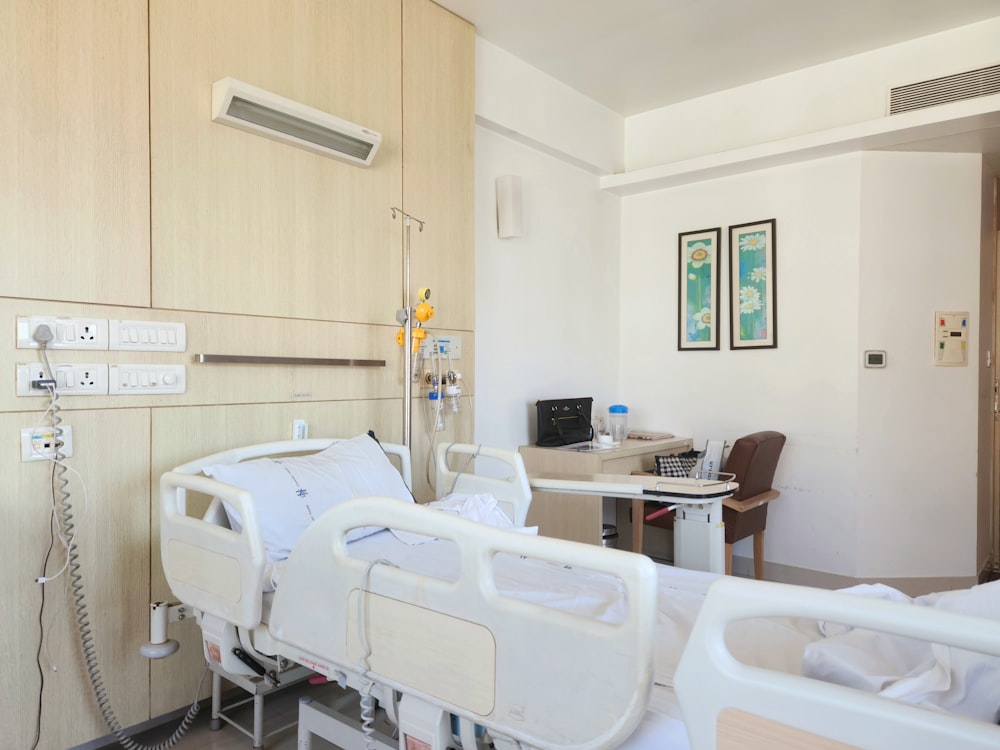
698,289
753,287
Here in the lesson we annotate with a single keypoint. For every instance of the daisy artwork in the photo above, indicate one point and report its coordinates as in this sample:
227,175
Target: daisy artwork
698,290
753,313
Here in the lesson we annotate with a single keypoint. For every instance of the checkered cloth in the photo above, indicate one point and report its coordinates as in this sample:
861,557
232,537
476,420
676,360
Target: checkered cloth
676,465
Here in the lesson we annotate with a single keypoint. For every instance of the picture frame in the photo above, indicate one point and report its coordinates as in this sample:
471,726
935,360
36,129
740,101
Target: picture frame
753,285
698,293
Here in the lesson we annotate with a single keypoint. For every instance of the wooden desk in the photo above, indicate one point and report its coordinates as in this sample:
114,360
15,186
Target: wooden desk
581,517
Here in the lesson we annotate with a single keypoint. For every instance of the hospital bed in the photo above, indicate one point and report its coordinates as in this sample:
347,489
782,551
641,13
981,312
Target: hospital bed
552,644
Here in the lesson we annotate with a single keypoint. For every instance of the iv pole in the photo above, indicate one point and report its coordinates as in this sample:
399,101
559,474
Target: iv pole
405,319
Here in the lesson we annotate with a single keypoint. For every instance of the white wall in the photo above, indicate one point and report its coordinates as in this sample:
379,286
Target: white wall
869,245
917,459
806,388
547,302
878,477
851,90
535,109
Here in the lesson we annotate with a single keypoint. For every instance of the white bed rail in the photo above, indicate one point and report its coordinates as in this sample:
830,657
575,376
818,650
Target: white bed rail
290,447
209,566
710,682
547,678
512,492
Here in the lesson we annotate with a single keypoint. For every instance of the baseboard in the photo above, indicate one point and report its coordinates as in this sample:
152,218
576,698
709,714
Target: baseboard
743,567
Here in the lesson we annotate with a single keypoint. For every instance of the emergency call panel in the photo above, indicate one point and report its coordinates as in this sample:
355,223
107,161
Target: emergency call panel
951,339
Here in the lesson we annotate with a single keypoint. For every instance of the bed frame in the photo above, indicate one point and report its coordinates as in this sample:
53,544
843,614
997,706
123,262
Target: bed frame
729,705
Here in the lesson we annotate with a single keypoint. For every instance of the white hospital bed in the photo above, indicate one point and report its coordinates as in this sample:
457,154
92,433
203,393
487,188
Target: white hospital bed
470,635
223,575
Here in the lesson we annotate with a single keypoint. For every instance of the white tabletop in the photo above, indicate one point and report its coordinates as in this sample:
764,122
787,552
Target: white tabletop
679,489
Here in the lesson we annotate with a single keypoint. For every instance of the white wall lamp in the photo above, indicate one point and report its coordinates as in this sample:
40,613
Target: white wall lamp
255,110
508,206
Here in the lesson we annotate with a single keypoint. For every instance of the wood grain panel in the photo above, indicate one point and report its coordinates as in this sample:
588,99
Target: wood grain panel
738,730
108,493
74,180
439,156
244,224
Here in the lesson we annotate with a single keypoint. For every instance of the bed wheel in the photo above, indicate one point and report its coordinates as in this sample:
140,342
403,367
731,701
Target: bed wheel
215,725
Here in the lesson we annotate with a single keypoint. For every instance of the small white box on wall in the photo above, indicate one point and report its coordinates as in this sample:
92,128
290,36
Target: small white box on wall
508,189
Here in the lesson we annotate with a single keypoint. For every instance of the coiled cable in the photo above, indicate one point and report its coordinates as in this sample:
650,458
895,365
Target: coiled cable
68,533
367,699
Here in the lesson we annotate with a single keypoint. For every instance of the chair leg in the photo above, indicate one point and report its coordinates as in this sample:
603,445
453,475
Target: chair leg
758,555
729,559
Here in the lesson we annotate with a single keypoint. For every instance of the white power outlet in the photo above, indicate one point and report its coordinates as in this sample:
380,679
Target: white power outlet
67,333
39,443
71,379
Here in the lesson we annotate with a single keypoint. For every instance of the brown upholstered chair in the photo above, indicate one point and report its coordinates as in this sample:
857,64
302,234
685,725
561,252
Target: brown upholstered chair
753,459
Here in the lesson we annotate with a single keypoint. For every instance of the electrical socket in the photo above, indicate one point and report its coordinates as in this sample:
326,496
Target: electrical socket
68,333
39,443
71,379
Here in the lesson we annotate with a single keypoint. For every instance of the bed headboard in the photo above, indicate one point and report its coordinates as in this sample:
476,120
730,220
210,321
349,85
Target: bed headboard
511,491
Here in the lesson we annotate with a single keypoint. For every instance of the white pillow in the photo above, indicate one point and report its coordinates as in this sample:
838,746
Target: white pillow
290,493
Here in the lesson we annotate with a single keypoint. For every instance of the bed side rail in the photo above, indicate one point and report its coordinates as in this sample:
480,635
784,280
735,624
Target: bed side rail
711,682
209,566
548,678
512,491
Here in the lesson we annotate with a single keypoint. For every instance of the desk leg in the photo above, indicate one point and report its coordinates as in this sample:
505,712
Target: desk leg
638,521
699,537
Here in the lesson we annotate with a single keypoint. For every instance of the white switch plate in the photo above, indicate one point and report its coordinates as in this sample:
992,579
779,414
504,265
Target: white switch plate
71,379
68,333
39,443
146,379
146,336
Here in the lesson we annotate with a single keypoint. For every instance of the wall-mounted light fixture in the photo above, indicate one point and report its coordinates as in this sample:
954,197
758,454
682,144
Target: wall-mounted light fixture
255,110
508,206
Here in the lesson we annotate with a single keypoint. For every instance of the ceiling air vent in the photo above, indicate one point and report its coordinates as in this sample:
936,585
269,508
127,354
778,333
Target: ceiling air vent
968,85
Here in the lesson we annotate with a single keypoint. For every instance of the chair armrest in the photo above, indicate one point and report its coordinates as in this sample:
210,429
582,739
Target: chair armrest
751,502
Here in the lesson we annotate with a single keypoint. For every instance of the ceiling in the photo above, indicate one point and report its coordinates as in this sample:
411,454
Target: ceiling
636,55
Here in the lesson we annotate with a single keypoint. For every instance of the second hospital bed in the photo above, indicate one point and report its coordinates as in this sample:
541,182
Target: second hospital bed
475,627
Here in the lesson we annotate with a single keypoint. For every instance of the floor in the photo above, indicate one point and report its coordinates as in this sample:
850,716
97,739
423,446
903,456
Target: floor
280,710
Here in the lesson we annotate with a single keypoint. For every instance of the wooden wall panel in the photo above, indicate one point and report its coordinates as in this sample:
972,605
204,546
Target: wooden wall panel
439,157
243,224
109,495
74,151
227,334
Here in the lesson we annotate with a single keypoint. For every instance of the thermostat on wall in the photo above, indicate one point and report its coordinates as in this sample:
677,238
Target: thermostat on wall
875,358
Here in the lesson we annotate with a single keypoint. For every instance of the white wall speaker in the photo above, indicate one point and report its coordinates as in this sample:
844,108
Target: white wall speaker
508,206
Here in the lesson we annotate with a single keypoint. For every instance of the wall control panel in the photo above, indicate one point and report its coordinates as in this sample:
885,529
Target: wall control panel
951,339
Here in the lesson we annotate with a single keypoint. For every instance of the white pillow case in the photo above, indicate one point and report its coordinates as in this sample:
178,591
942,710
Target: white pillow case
290,493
